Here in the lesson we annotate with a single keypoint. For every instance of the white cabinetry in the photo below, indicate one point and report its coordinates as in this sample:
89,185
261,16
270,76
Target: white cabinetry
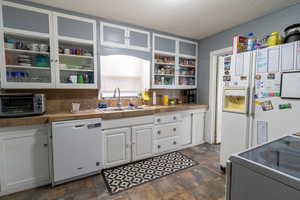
174,63
24,157
77,35
112,35
167,136
131,139
142,139
44,49
185,127
116,146
198,126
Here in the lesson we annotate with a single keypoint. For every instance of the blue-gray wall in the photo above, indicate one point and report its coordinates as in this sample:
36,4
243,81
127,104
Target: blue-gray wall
275,22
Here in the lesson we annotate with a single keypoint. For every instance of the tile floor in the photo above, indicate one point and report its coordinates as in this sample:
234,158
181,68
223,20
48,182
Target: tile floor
202,182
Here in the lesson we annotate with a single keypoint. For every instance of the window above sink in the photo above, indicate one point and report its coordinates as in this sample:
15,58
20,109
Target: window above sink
130,74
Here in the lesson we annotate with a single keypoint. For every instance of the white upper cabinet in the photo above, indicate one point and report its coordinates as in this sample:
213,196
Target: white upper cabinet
187,48
117,36
138,39
75,52
113,35
44,49
164,44
26,48
174,63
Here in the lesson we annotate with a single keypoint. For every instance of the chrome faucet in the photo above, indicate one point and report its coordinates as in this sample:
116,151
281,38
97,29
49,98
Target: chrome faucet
119,104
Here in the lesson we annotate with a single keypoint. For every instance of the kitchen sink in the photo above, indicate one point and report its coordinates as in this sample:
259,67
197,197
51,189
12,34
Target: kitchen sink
121,109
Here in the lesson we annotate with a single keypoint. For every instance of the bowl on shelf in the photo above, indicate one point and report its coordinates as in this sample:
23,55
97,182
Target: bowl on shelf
41,61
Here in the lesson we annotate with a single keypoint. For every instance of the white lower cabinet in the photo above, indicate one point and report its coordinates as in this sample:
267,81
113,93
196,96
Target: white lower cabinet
198,126
24,156
116,146
185,128
142,142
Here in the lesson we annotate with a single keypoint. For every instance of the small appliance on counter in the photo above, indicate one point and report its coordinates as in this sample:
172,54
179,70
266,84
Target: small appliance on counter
21,105
191,96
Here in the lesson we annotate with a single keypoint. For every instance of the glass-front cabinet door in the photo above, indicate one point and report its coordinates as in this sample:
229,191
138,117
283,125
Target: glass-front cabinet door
113,35
76,53
138,39
27,54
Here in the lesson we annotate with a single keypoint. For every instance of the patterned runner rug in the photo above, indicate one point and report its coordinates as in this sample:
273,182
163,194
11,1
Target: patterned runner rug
127,176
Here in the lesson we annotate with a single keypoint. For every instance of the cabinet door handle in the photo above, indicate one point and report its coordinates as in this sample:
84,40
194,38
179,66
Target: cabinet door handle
174,142
158,146
45,145
174,129
158,132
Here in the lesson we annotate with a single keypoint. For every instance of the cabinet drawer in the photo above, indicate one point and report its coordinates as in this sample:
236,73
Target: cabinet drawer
163,145
166,130
163,119
166,144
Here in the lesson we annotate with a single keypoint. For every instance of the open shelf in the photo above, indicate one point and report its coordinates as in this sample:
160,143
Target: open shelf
76,56
27,51
189,66
26,34
75,40
76,70
28,67
164,75
161,63
192,76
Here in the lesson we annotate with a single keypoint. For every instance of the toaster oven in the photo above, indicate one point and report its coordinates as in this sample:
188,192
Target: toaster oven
20,105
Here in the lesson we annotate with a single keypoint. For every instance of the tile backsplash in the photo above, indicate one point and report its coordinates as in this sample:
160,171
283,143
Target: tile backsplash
60,100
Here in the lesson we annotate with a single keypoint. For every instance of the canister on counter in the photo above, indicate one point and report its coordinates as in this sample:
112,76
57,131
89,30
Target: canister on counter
165,100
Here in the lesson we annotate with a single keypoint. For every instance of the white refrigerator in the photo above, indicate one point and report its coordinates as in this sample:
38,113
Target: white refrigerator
267,115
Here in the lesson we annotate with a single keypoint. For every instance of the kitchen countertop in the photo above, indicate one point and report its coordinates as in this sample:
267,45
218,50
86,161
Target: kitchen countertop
94,113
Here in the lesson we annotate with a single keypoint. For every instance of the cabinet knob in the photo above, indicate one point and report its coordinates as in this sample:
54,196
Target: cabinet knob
174,117
158,120
158,132
174,129
174,142
45,145
56,61
158,146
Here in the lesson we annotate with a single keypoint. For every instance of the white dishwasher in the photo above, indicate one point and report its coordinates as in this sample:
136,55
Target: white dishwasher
76,147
